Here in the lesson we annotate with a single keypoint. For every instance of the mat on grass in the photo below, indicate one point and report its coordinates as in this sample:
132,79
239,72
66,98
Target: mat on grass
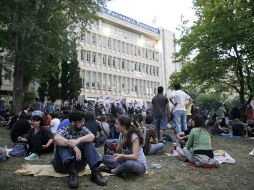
47,170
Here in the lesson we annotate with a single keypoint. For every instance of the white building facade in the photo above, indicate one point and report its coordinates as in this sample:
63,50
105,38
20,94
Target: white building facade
121,58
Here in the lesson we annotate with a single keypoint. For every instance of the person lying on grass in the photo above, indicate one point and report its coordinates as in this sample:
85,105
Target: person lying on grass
130,158
39,138
198,148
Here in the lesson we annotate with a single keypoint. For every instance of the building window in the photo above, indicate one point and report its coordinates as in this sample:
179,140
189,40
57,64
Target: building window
104,42
82,55
123,47
118,46
99,41
104,82
123,84
99,59
139,53
93,58
88,37
114,83
87,76
109,43
127,66
88,54
104,59
109,82
118,63
123,64
114,62
93,80
98,81
114,44
93,38
109,61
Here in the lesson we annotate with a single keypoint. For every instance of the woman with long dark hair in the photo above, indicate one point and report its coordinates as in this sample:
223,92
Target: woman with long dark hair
130,158
199,144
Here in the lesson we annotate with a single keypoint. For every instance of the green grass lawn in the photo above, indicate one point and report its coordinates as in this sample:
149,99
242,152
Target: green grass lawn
173,174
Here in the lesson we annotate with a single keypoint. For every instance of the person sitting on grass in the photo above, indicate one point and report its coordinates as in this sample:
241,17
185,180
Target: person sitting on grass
183,136
75,149
95,128
130,158
21,127
199,145
39,138
151,145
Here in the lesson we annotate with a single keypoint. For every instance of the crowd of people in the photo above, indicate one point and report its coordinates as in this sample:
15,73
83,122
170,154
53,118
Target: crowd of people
128,133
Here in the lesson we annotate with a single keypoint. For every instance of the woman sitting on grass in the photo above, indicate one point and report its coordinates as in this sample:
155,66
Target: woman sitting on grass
130,158
198,149
151,145
39,139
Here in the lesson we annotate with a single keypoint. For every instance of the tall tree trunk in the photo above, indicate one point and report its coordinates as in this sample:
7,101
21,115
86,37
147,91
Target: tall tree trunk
18,85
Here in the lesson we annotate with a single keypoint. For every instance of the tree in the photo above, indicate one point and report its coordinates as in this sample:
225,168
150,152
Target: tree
208,101
70,79
219,48
33,30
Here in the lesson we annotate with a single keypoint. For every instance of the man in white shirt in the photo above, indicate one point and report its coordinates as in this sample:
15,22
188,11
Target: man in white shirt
179,99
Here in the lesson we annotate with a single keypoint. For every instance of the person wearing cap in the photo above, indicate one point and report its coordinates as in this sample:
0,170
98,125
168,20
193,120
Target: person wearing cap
75,149
39,138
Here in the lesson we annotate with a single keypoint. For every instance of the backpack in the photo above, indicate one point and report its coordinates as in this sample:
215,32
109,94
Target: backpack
19,150
110,146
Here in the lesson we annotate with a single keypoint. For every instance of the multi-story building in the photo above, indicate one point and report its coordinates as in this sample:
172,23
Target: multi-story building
122,58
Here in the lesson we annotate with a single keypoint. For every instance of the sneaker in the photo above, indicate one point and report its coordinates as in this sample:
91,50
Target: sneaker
32,156
73,180
97,178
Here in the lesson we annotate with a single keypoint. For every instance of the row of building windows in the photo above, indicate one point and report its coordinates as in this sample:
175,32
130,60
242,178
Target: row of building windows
120,46
114,84
118,63
120,33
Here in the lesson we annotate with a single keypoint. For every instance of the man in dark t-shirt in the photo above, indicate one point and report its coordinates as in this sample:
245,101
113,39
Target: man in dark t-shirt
160,110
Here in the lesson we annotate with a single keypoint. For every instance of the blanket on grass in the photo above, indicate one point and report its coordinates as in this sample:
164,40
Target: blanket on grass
47,170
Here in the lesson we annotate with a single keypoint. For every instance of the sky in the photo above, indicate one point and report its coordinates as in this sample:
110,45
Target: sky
158,13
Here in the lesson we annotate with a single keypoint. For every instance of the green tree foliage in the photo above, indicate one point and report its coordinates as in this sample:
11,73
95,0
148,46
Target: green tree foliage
219,49
32,31
208,101
70,79
42,90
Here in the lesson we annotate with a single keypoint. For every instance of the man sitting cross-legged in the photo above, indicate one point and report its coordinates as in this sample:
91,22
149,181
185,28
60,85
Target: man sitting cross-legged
75,149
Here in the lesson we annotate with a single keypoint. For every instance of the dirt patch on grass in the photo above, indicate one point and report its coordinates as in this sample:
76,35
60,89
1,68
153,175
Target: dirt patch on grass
173,174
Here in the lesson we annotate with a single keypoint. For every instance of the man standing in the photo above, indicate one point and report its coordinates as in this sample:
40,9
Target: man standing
160,110
75,149
178,98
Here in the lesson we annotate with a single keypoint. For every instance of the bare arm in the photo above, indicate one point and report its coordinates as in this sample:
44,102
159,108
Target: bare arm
61,141
133,156
50,141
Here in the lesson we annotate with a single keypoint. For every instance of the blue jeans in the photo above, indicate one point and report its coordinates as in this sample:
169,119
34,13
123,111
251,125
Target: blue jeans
124,166
89,156
159,123
155,148
180,121
189,154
